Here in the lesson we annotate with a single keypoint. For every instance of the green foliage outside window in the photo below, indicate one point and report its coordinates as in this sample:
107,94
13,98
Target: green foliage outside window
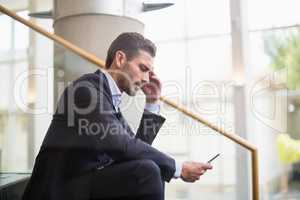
283,48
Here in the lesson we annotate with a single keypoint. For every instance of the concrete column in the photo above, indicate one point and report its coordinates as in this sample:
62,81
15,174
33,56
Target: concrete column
92,25
239,34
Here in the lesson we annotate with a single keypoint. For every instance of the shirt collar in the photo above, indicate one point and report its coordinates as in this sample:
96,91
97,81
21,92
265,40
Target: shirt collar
114,89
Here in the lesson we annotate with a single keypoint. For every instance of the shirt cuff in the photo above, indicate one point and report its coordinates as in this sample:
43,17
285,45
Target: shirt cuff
178,170
153,107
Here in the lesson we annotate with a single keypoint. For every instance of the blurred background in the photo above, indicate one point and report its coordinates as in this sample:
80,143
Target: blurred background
236,63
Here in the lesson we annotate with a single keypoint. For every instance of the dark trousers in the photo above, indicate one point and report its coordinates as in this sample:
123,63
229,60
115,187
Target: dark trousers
132,180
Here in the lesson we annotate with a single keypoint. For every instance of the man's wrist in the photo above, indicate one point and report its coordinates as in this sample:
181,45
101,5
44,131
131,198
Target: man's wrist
153,108
178,169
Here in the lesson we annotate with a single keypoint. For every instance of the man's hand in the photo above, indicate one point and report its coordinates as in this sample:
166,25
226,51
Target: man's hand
152,90
191,171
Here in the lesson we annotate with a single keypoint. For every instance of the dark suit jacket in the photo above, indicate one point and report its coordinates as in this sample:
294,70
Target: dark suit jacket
84,135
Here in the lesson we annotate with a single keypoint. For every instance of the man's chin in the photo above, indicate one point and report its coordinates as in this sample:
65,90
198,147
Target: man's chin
132,92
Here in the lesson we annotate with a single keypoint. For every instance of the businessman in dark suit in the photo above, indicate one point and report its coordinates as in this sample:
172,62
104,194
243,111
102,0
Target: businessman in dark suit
90,152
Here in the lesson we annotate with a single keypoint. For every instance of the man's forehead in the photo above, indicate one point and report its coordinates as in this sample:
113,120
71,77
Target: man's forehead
146,59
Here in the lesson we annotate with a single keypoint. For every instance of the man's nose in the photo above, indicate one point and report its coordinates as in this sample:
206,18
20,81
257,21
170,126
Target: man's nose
146,78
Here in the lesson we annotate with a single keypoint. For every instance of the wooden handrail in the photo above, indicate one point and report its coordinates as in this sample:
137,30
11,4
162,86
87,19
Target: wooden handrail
95,60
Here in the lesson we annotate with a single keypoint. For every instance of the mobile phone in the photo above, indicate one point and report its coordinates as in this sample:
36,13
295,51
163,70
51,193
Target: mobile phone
213,158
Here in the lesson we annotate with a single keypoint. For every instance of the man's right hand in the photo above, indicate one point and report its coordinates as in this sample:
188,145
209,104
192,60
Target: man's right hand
191,171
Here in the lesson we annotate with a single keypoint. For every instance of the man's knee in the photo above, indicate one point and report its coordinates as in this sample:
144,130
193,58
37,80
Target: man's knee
149,177
148,172
149,167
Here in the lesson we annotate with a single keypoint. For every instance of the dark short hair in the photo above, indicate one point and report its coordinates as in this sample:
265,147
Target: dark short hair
130,43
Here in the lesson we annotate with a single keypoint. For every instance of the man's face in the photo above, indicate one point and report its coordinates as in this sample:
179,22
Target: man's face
135,73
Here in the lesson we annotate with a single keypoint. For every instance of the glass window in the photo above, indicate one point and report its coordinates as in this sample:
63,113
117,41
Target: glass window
210,58
4,80
208,17
165,24
21,33
6,35
170,58
268,13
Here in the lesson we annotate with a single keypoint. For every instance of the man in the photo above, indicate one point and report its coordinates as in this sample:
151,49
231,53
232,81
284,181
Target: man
90,152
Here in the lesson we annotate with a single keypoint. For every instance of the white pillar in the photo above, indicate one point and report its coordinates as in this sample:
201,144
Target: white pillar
239,35
91,25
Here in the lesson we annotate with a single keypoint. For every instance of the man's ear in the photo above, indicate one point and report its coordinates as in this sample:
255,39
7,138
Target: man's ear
120,58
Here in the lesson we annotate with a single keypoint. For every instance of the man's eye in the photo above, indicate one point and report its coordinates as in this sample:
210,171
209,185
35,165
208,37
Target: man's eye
143,68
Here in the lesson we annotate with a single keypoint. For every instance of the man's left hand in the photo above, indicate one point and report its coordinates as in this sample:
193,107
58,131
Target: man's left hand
152,90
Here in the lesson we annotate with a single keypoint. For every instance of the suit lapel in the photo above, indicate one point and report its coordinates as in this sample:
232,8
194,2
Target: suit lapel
124,123
104,80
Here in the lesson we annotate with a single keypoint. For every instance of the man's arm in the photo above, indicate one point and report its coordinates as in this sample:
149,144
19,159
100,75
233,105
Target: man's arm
149,126
151,121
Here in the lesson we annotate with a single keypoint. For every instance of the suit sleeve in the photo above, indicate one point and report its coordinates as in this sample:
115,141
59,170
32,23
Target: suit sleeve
93,106
149,126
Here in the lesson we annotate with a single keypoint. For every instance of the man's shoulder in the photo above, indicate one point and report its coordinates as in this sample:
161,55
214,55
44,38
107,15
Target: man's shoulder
93,76
95,79
87,88
88,84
